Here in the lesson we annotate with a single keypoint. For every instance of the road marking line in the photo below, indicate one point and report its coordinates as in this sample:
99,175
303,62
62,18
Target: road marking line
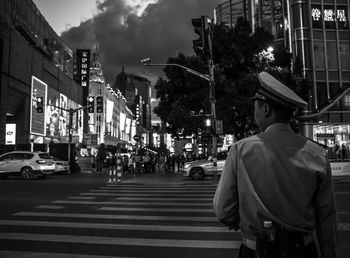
164,199
115,226
82,197
23,254
51,207
182,243
153,187
156,195
133,203
155,191
155,198
342,192
153,209
113,216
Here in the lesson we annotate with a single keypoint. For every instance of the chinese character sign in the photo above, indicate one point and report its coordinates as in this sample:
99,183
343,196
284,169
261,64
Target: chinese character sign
83,57
316,14
329,15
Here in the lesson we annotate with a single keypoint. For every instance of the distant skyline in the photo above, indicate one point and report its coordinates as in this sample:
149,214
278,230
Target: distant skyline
127,31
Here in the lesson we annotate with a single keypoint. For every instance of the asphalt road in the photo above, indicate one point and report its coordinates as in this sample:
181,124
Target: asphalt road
82,215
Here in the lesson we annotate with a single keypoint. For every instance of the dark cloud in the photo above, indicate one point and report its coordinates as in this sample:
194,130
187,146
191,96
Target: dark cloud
123,38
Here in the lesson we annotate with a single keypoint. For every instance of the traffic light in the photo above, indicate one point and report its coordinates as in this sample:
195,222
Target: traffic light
208,125
99,104
91,104
40,104
200,45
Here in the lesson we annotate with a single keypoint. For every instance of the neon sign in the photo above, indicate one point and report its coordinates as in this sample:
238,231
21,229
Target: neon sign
83,56
329,15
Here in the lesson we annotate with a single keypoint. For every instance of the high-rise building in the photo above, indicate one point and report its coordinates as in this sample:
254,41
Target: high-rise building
316,33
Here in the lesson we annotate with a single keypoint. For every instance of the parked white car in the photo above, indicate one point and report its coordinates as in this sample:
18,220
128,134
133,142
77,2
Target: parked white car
26,164
60,165
199,169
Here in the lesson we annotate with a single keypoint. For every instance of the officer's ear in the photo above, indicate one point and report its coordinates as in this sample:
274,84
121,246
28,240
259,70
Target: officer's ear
267,109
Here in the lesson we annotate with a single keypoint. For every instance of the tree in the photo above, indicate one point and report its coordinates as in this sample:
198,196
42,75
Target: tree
235,54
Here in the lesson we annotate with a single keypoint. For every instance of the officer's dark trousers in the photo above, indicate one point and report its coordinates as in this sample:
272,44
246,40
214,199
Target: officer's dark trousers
309,251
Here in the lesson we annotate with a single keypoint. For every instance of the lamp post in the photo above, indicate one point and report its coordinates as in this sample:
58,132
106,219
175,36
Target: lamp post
210,79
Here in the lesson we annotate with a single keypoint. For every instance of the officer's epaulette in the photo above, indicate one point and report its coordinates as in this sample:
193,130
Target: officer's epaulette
319,144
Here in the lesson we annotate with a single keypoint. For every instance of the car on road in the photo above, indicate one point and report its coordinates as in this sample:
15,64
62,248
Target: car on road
26,164
61,166
199,169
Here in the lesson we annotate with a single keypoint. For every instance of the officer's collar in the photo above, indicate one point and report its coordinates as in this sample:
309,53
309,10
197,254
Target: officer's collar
279,127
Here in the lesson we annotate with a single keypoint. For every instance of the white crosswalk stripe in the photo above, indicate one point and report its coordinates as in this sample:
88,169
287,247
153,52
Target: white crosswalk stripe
124,221
148,218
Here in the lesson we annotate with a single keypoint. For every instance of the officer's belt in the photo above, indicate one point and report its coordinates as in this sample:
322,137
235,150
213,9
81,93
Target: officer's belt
251,244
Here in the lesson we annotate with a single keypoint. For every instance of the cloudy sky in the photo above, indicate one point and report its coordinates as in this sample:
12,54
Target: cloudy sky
127,31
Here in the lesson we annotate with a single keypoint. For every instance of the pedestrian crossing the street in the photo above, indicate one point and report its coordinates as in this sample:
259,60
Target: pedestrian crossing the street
122,220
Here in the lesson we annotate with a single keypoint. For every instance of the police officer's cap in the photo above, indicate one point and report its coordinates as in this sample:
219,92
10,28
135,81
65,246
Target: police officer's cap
274,90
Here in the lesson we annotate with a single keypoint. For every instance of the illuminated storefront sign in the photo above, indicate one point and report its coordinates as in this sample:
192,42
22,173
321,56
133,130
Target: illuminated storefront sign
83,57
10,134
329,15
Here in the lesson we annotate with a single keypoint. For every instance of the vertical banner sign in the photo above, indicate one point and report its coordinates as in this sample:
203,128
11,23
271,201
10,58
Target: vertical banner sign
38,120
83,65
83,56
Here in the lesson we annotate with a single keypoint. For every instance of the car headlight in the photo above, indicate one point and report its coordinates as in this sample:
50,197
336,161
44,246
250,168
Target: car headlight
187,166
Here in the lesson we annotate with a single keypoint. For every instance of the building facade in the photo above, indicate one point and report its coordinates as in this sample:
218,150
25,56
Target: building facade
34,62
317,34
110,121
137,92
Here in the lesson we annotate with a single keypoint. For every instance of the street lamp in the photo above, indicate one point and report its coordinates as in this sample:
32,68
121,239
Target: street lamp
210,79
147,62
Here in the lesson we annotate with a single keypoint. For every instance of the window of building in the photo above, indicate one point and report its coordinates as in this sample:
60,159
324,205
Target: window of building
332,56
322,97
344,49
319,55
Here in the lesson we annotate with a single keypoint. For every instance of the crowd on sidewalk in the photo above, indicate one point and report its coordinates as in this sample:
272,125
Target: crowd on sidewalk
137,163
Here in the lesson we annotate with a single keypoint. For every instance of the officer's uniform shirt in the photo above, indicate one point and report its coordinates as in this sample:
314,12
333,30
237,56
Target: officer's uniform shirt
292,177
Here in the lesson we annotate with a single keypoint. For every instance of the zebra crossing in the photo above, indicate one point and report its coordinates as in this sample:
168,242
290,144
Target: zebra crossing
122,220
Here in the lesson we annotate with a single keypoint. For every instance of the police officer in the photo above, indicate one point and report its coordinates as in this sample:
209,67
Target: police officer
281,178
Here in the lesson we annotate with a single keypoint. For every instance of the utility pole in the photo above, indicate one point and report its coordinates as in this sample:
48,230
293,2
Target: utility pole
212,99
